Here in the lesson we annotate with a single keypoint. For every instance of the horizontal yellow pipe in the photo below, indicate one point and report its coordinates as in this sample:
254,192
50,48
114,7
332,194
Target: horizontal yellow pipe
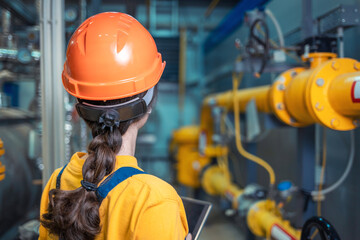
214,181
217,182
243,96
328,93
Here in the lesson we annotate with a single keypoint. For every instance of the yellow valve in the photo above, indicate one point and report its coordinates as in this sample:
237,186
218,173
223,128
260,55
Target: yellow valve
189,165
2,167
190,161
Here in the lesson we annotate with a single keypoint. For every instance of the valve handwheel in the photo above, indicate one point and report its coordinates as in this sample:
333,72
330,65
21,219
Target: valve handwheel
326,230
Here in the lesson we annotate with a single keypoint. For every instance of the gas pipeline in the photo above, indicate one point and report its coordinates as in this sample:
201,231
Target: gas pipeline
326,92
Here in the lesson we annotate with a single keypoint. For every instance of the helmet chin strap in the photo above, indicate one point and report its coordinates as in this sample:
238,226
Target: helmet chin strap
112,115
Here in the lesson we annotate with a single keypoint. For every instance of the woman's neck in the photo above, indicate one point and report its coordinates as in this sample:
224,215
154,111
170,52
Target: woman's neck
129,141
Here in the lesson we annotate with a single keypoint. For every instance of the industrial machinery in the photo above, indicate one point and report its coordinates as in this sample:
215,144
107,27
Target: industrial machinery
22,176
324,89
195,169
327,92
20,181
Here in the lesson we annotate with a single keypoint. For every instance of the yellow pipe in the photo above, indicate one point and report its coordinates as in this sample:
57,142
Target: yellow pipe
216,181
239,146
327,93
206,123
316,59
295,99
265,220
344,94
299,97
189,161
238,104
260,94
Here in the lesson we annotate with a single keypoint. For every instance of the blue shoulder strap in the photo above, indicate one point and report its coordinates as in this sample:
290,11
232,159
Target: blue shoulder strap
58,179
114,179
110,182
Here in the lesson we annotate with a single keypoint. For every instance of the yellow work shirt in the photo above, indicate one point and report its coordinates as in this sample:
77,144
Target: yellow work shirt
143,207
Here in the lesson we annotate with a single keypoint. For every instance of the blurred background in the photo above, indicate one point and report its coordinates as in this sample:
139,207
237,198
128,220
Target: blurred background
298,109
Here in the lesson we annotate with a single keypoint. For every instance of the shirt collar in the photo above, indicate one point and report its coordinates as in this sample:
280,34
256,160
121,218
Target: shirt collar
125,161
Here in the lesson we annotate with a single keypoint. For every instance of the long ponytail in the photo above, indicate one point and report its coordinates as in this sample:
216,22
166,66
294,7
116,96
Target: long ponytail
75,214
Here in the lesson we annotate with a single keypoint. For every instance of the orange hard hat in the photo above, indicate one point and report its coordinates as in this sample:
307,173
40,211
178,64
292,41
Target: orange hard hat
111,56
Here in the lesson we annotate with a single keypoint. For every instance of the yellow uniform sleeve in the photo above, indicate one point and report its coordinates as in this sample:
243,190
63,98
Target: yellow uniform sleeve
43,234
162,222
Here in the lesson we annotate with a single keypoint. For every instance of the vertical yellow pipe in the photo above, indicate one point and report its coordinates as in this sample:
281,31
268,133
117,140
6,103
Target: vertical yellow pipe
239,146
318,58
206,123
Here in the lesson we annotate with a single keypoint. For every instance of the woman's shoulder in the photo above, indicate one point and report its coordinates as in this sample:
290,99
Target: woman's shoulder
157,187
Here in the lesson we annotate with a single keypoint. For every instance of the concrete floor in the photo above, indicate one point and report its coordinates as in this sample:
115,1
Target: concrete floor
218,226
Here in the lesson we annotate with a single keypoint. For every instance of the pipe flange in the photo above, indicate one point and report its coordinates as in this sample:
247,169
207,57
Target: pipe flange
277,97
317,99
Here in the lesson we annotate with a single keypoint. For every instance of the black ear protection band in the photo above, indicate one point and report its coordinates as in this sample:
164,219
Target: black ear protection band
112,115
